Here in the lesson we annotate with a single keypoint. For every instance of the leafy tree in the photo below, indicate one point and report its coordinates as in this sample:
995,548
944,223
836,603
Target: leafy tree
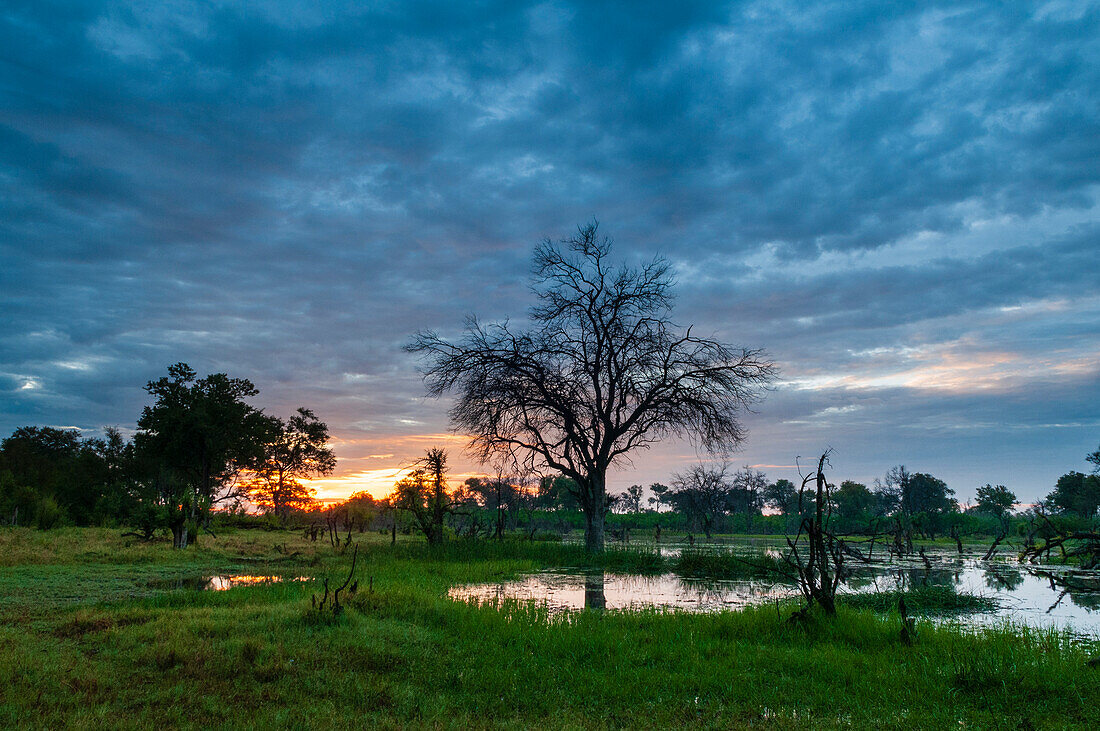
39,455
61,477
660,495
17,500
853,502
996,500
195,438
424,493
280,496
1076,493
928,494
499,494
294,449
782,496
123,491
362,509
602,372
558,493
631,500
912,493
890,490
702,494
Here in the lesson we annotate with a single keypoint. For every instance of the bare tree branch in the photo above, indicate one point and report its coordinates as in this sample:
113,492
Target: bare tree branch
603,371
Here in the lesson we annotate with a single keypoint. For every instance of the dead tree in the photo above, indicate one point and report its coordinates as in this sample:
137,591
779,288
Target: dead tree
958,538
602,373
1080,545
351,588
996,542
816,554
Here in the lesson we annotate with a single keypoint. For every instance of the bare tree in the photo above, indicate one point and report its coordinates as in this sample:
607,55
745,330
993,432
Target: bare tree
702,494
820,560
601,372
747,495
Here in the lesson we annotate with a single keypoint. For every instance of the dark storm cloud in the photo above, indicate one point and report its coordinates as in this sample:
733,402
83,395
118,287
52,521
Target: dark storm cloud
286,191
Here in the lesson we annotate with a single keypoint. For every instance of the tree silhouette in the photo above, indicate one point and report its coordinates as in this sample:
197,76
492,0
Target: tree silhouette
196,437
703,494
424,493
295,449
601,372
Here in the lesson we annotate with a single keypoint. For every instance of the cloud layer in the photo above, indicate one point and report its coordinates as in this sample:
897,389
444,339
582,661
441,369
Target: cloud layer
899,202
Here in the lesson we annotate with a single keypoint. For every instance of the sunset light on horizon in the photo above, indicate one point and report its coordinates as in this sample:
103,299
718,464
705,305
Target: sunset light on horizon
900,204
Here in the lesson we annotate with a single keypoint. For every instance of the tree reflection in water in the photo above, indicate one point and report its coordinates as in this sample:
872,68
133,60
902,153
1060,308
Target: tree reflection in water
1031,594
594,597
1002,578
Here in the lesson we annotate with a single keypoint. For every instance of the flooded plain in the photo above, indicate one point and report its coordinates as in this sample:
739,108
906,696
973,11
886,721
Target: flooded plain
1036,595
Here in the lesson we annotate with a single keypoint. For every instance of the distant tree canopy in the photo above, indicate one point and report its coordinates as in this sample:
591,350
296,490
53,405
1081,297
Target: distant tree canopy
630,501
703,495
192,444
852,501
501,495
913,493
425,494
49,476
294,449
996,500
200,444
362,509
1076,493
782,497
660,495
558,493
602,372
747,490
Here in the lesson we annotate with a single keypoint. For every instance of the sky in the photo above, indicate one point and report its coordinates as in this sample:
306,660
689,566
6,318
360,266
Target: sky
898,201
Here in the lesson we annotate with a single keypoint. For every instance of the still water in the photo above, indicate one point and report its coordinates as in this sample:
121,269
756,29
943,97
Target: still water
221,582
1042,596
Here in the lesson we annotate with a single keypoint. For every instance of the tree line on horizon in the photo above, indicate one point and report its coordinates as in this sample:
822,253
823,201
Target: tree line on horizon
159,480
198,447
713,498
600,371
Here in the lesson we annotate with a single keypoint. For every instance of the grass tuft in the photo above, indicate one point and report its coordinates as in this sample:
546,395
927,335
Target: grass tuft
926,600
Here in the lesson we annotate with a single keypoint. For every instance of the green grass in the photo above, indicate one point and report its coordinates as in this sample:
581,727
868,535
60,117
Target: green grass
729,564
927,600
84,642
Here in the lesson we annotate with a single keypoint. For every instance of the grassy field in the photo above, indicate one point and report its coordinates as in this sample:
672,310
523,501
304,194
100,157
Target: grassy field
87,639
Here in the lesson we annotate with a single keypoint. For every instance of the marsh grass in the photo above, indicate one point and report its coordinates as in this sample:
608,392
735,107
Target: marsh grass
727,563
927,600
403,655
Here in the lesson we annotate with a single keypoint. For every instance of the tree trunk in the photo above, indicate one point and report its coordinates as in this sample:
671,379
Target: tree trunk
594,503
179,535
593,531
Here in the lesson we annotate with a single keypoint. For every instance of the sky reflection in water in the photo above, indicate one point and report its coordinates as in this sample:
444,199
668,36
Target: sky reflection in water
1024,593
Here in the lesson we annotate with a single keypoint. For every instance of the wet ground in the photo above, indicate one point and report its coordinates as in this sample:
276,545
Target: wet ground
1044,596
